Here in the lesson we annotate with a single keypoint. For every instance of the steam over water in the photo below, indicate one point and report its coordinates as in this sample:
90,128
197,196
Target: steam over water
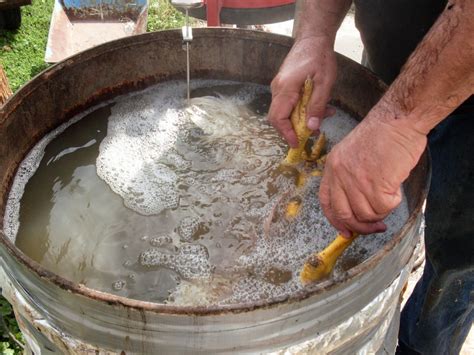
147,198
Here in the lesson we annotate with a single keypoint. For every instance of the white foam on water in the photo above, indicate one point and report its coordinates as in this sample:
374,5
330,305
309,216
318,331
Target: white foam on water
206,199
138,157
208,112
200,292
129,158
191,261
187,228
337,127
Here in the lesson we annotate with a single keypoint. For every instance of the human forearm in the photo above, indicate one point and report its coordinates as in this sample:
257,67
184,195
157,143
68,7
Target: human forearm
364,172
437,77
321,18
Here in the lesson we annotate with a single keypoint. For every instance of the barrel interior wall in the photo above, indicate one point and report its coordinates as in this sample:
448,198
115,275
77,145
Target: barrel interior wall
353,94
134,63
418,183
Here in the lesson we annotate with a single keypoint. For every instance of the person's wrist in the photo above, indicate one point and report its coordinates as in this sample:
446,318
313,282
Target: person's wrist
401,129
316,39
409,123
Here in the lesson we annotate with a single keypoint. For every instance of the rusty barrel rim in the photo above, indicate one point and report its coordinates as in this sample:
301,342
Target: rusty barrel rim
423,170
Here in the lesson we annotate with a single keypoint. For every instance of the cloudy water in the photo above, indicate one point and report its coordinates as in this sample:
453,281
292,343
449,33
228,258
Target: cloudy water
147,198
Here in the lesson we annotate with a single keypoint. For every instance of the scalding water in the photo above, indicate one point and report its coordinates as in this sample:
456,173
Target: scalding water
149,198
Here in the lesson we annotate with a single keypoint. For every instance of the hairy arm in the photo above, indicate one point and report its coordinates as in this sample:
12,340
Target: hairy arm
321,18
312,56
439,75
364,172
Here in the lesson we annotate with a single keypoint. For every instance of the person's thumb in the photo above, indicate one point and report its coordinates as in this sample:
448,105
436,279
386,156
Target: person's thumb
317,106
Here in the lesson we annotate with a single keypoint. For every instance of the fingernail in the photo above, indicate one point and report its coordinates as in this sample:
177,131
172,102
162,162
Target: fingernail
313,123
316,132
330,111
381,227
345,234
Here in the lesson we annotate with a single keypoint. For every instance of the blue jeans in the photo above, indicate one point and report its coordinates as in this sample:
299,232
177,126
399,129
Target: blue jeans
440,312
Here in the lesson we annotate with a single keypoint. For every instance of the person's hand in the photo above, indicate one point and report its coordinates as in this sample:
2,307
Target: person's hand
310,57
363,174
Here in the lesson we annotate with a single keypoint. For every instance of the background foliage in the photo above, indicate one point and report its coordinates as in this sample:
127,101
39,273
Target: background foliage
22,51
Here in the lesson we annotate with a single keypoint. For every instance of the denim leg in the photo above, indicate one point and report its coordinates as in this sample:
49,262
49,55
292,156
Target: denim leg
440,312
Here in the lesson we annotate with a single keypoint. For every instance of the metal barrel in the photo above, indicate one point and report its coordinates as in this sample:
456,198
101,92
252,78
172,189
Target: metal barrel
359,312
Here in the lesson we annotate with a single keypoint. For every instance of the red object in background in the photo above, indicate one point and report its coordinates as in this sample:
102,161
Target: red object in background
214,7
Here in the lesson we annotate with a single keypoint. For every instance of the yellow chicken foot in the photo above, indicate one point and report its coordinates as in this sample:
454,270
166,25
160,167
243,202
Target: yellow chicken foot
319,266
298,120
293,208
301,179
321,161
318,147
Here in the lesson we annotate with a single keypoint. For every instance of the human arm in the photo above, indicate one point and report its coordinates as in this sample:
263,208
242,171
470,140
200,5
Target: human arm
312,55
364,172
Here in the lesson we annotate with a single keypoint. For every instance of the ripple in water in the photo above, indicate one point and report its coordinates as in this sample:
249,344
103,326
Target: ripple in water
147,198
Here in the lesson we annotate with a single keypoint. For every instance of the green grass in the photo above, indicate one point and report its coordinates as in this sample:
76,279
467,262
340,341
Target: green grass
22,57
22,52
8,330
163,16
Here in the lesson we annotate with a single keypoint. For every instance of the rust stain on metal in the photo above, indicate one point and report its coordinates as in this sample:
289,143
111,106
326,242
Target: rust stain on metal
115,68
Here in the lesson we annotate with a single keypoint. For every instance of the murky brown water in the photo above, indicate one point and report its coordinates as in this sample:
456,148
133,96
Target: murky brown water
149,199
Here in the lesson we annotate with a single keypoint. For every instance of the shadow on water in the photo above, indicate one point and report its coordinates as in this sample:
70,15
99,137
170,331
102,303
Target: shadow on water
38,198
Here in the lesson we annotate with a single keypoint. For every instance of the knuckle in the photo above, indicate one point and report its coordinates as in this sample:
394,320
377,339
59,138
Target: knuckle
318,107
324,199
343,215
387,203
383,210
334,160
271,119
278,82
276,125
317,77
325,206
324,190
285,131
275,84
331,75
363,227
366,217
397,199
325,82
